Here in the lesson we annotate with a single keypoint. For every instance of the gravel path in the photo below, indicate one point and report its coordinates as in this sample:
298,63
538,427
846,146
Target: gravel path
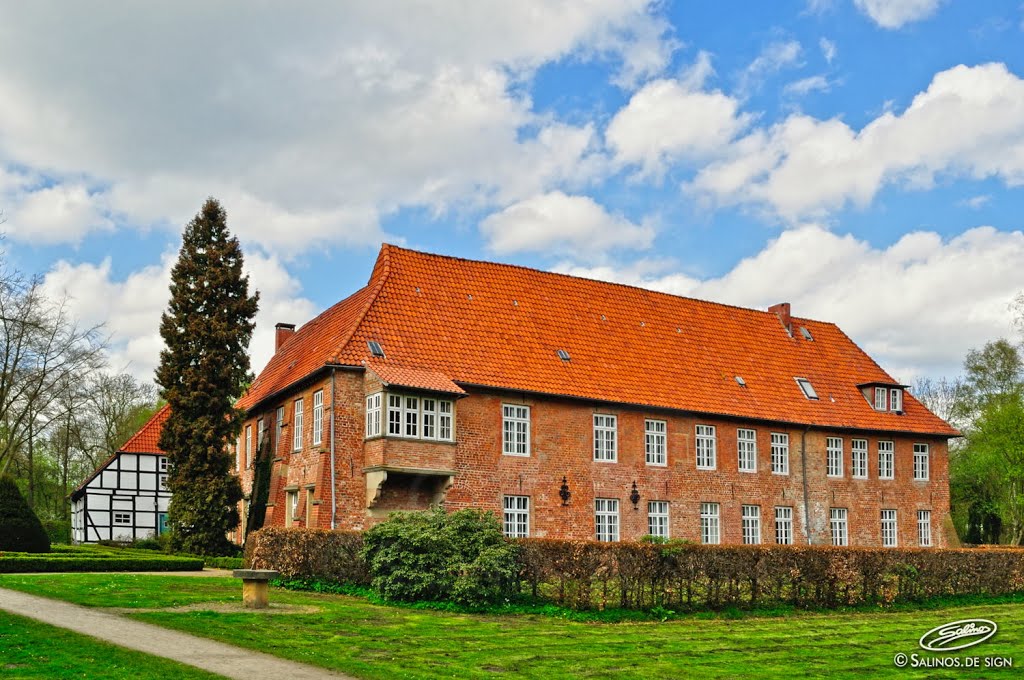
215,657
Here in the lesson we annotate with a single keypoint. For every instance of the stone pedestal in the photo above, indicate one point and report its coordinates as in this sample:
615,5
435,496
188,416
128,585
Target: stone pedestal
254,586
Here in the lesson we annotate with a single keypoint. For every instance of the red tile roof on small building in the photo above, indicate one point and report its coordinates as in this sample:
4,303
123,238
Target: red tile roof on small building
144,441
501,326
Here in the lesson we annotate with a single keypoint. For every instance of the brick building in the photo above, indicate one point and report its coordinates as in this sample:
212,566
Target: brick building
584,409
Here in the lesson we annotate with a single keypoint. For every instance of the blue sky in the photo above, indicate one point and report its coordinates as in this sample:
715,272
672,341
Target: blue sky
861,159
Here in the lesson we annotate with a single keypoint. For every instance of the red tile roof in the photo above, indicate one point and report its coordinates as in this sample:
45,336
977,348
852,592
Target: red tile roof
487,324
413,377
145,440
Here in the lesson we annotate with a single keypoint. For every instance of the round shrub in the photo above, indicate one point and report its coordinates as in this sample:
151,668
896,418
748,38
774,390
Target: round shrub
20,529
460,557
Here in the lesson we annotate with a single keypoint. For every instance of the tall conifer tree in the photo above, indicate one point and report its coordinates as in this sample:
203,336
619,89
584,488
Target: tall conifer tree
203,369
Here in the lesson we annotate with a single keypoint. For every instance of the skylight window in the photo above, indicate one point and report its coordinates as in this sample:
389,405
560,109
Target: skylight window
375,348
563,355
807,388
740,381
806,333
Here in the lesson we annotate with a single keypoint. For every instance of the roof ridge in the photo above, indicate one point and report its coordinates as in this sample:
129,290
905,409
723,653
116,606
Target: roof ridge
575,277
383,264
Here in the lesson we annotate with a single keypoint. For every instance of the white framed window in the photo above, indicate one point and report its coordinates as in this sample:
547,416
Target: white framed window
921,462
888,528
261,433
886,457
163,482
278,427
248,445
291,507
411,417
709,529
297,426
318,417
784,525
418,417
657,518
807,388
880,393
123,519
163,464
924,528
444,420
517,516
751,524
746,450
606,519
429,407
238,452
895,399
859,458
707,445
834,448
655,442
373,422
837,525
780,453
515,430
605,446
395,415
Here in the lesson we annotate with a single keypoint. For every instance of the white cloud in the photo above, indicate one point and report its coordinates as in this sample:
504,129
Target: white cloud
893,14
968,123
557,223
916,306
60,213
773,58
828,49
803,86
975,202
347,116
666,122
130,308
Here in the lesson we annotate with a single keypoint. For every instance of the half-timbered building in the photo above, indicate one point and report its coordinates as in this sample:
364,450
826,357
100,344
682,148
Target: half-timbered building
126,497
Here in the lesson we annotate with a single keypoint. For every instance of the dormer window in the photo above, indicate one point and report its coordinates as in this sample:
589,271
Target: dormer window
896,400
880,393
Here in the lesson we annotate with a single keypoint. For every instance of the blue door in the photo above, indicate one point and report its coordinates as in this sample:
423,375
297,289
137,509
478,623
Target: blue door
161,523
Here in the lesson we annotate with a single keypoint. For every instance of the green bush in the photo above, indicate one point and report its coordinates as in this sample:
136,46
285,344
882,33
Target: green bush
308,554
461,557
20,529
58,530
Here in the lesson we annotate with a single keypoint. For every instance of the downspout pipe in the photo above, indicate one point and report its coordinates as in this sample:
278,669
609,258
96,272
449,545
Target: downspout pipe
803,475
334,504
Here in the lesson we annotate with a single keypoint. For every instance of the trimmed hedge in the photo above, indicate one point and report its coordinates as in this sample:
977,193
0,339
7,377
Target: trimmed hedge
309,554
591,575
13,564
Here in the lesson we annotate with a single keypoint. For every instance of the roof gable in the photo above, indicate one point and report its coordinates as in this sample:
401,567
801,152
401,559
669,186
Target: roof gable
147,439
488,324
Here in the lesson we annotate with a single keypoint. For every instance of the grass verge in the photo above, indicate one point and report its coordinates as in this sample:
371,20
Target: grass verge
29,649
369,640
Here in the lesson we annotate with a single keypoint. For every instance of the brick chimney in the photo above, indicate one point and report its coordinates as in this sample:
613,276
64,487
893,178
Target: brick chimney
781,310
283,332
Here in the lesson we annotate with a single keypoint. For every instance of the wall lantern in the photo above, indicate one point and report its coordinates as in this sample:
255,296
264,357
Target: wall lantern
634,496
563,492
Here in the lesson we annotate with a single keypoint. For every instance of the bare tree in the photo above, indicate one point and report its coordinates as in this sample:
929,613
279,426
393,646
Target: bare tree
42,350
946,398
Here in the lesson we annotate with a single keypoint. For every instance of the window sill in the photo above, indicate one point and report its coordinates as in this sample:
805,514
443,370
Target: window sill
605,460
747,472
660,465
515,455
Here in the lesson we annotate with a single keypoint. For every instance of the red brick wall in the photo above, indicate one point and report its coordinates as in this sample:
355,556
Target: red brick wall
562,445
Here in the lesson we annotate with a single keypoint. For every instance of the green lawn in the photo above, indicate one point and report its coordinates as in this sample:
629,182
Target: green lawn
29,649
370,641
